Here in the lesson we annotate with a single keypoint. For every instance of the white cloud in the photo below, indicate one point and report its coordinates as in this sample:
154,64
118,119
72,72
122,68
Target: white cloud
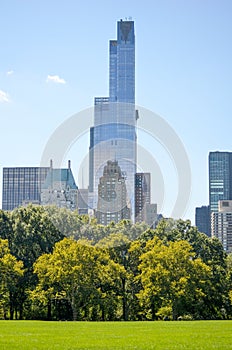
4,97
55,79
10,72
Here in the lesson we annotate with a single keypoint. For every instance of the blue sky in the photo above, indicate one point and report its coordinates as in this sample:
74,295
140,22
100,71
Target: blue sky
54,60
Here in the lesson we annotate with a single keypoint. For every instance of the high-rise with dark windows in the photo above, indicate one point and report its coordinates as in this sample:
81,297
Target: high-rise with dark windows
113,136
142,195
145,211
202,219
22,185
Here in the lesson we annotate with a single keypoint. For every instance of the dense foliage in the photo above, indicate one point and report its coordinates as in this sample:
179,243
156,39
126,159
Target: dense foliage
58,265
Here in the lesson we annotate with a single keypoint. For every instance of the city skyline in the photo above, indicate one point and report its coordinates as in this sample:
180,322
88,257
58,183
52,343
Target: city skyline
183,74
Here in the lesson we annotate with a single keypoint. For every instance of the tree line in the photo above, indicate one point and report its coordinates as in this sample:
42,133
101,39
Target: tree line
58,265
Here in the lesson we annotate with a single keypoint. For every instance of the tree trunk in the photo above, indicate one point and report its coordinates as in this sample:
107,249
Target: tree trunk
124,300
174,310
74,308
21,311
11,307
16,313
49,310
103,313
4,314
153,315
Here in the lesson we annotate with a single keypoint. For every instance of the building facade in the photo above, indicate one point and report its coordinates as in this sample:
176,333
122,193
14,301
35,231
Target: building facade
60,189
203,220
113,136
142,195
82,201
145,211
221,224
220,178
22,185
112,195
151,216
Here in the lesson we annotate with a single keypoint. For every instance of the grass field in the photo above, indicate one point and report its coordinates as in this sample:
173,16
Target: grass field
36,335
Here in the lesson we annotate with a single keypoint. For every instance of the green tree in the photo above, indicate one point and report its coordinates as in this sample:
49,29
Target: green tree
5,225
82,274
33,234
229,281
66,221
137,248
127,228
211,252
117,244
171,276
11,271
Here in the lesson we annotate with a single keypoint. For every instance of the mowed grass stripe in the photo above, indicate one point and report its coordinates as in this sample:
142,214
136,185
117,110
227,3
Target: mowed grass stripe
36,335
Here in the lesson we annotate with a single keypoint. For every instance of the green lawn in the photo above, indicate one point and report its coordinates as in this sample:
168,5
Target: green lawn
35,335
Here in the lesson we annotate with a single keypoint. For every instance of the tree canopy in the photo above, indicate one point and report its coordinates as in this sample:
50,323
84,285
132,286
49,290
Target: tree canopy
56,264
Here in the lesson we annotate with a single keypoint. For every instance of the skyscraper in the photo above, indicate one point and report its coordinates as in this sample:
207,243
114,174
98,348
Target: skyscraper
82,201
22,185
142,195
122,64
112,195
145,211
113,136
220,178
202,219
59,188
221,224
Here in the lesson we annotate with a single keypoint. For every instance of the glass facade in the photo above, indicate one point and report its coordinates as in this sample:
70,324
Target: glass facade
113,136
202,219
122,64
142,195
220,178
22,185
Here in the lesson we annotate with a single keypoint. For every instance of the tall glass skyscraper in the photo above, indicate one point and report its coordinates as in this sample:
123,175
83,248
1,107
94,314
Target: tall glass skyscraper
220,178
113,136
